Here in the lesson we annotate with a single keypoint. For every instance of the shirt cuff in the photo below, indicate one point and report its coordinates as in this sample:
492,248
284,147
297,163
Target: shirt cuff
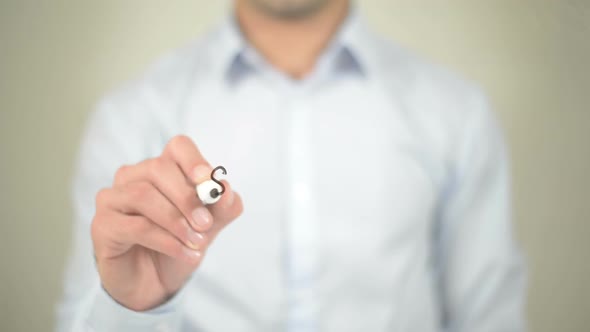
108,315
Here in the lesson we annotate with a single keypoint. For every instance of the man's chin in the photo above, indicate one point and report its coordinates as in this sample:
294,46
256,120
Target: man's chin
290,9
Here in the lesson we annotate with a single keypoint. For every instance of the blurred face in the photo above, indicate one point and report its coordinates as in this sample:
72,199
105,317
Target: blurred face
290,8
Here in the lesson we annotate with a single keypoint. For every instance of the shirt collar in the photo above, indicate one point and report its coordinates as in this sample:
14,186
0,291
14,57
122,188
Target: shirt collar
351,43
347,52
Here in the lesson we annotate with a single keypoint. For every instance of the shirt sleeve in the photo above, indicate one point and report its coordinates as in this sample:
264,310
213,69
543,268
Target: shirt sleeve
481,270
119,132
107,315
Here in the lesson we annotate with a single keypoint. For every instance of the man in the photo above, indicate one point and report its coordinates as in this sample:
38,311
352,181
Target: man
374,186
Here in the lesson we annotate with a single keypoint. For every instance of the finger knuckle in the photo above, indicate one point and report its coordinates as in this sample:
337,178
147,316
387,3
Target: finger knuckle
121,174
157,167
139,191
102,197
178,141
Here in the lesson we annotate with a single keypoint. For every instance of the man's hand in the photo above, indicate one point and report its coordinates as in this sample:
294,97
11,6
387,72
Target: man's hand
150,230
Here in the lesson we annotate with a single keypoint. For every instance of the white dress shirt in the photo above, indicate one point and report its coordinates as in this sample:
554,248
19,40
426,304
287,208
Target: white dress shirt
375,192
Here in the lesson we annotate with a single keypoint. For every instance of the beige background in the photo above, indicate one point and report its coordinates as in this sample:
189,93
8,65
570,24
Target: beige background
533,57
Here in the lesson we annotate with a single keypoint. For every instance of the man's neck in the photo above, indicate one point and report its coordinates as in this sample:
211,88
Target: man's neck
291,45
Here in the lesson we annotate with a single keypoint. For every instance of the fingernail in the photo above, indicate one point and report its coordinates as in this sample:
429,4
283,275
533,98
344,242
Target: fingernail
196,240
193,255
201,173
202,217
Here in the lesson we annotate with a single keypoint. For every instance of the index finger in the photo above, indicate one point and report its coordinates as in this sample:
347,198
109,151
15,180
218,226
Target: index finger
185,153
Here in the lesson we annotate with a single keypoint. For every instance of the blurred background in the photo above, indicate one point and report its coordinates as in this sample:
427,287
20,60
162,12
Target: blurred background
57,58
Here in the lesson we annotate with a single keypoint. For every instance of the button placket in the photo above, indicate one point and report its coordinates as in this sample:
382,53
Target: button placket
301,226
